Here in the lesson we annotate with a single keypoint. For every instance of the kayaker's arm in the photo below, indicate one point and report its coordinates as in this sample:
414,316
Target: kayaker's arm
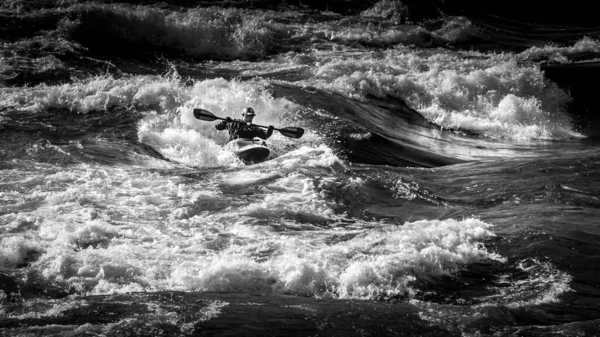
205,115
222,125
255,131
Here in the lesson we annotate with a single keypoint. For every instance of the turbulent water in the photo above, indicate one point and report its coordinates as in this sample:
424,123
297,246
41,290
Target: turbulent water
447,183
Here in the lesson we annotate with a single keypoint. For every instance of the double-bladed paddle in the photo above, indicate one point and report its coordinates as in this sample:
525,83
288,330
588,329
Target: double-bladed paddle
292,132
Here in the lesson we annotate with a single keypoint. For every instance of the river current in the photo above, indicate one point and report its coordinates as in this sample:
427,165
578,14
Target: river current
447,183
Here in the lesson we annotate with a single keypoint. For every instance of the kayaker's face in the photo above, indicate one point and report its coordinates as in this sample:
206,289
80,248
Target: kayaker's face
248,118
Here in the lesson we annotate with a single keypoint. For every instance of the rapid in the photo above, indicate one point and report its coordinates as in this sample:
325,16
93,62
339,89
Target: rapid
447,184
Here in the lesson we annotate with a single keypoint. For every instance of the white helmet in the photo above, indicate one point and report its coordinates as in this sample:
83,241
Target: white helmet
248,112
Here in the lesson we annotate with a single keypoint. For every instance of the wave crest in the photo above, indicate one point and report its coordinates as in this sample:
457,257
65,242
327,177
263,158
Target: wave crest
492,94
215,33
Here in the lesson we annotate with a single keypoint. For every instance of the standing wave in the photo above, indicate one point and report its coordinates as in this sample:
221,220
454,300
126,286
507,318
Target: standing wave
491,94
210,33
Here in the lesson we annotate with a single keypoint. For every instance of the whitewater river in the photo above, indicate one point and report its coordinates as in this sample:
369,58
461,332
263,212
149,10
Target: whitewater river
446,185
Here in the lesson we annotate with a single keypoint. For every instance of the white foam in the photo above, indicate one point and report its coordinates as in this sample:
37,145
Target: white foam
374,263
562,54
181,137
293,196
309,156
97,94
188,147
492,94
169,125
14,250
405,34
105,229
380,262
269,228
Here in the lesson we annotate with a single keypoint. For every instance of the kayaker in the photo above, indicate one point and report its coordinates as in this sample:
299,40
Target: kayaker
243,128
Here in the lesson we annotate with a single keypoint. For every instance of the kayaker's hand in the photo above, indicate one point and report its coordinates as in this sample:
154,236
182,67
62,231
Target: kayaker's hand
229,119
270,131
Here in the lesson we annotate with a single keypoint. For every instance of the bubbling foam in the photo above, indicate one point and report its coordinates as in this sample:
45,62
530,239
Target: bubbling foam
169,125
232,250
371,36
14,250
99,93
383,262
587,47
276,227
271,227
181,137
491,94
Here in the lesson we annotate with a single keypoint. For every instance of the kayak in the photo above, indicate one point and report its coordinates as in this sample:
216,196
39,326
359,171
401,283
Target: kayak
250,151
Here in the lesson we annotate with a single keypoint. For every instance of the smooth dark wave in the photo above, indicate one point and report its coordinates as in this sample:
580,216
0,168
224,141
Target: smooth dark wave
386,131
578,12
395,133
576,78
71,138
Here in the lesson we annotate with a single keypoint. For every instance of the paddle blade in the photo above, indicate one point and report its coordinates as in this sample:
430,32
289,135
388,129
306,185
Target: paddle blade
292,132
204,115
